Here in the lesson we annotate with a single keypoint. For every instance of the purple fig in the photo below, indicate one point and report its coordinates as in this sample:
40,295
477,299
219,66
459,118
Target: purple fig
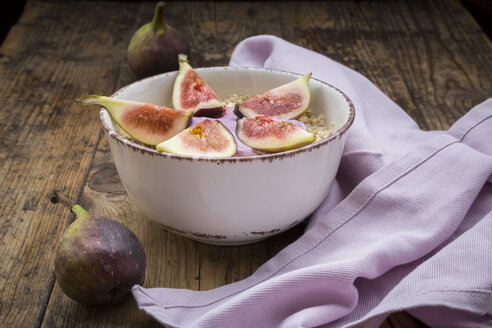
155,46
98,259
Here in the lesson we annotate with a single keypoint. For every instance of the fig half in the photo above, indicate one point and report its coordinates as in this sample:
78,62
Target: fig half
269,135
191,93
208,138
147,123
288,101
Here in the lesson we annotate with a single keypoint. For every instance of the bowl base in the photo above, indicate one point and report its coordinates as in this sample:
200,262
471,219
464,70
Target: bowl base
217,240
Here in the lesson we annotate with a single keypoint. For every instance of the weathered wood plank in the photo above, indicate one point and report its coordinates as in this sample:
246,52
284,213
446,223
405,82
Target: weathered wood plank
46,142
440,52
245,19
340,31
171,260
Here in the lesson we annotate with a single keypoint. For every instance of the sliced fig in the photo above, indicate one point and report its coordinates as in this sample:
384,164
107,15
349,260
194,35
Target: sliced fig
191,93
207,138
147,123
269,135
285,102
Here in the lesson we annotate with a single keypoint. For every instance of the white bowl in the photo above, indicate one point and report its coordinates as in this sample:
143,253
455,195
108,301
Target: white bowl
238,200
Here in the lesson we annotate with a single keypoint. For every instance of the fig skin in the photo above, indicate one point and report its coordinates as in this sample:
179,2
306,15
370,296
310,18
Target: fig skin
154,46
98,260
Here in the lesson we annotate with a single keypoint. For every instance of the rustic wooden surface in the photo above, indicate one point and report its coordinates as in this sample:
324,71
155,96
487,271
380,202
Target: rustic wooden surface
430,57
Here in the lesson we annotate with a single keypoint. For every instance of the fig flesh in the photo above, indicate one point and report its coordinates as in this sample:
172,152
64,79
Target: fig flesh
98,260
208,138
269,135
192,93
154,46
288,101
147,123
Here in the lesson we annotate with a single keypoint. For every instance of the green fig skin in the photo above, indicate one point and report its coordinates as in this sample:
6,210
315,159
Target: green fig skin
155,46
98,260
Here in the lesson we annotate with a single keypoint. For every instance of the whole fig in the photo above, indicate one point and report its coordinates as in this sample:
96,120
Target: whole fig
155,46
98,260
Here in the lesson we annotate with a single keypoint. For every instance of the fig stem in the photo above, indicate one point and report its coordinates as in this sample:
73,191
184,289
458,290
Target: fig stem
58,197
79,211
158,24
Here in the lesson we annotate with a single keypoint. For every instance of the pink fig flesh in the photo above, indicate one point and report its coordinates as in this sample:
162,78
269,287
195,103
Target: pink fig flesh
147,123
286,102
266,134
208,138
192,93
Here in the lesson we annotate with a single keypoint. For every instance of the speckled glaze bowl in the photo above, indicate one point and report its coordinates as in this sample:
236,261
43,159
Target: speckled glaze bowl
238,200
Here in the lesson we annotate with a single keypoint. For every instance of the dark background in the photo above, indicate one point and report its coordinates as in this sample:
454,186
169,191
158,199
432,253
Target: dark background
10,12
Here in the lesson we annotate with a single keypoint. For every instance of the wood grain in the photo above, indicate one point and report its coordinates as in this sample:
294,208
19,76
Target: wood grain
341,31
429,43
41,73
430,57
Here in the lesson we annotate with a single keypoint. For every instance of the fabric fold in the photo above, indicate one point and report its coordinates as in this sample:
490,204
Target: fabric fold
406,226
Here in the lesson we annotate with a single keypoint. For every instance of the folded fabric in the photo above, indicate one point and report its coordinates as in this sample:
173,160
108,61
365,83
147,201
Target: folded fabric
407,224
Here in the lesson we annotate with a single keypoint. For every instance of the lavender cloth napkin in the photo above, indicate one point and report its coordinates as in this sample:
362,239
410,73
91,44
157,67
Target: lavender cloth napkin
407,224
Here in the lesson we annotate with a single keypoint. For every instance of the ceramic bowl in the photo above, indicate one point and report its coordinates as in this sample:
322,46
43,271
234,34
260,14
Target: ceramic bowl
237,200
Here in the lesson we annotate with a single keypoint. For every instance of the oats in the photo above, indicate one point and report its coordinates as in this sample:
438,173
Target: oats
316,125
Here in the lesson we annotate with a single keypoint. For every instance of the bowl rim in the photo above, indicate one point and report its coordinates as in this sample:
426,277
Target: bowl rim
264,157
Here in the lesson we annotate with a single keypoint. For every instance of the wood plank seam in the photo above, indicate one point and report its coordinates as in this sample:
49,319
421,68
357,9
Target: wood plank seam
78,199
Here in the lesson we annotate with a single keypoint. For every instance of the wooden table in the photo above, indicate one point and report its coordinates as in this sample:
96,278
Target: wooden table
430,57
